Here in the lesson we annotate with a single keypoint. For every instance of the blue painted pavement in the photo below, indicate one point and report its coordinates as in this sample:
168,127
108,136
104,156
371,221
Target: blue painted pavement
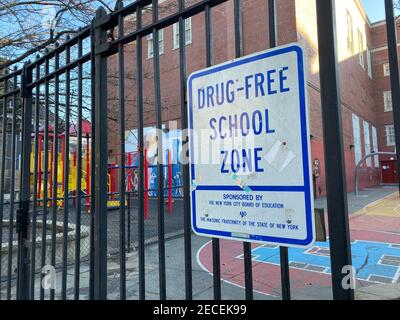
373,261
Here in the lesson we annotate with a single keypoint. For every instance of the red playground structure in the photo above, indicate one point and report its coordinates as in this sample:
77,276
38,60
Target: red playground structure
59,159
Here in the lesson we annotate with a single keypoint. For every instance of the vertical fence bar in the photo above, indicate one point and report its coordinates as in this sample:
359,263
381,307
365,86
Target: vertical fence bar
45,175
272,23
92,157
3,169
215,241
185,166
391,28
55,168
14,135
141,191
87,176
3,162
40,167
160,156
283,251
100,183
169,181
248,272
78,221
146,185
23,214
121,103
35,186
285,276
66,175
12,187
333,147
128,217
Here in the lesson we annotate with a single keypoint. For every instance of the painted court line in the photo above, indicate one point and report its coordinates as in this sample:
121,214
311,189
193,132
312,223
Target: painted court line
223,280
376,202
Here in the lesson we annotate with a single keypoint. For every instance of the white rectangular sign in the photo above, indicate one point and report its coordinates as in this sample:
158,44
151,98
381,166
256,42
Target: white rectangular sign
250,150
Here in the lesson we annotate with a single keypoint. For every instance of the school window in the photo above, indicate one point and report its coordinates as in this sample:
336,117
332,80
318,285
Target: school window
150,43
367,143
361,49
350,35
369,61
390,136
356,138
375,146
188,32
387,99
386,69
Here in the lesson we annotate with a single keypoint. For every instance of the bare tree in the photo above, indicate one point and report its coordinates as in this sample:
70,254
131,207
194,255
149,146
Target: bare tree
28,26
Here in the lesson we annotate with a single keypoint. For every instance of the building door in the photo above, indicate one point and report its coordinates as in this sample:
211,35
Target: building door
389,172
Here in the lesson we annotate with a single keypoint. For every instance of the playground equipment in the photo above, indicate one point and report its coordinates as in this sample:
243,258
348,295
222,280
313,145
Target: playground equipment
131,172
132,186
72,162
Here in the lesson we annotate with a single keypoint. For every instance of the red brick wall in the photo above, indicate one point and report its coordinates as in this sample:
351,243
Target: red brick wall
355,85
381,84
296,22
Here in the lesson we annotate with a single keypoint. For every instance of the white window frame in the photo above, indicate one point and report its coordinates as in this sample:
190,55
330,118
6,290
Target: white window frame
360,39
390,138
150,52
188,30
387,101
350,33
175,34
367,143
375,146
356,138
161,41
369,61
386,69
150,46
188,33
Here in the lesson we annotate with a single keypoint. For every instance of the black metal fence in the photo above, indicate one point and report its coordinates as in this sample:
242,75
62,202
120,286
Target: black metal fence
43,226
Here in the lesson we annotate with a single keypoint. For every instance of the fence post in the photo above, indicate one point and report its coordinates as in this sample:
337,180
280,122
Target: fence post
100,182
23,211
283,251
394,76
333,147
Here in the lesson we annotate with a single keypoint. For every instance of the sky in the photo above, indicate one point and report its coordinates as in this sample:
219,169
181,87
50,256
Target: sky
375,9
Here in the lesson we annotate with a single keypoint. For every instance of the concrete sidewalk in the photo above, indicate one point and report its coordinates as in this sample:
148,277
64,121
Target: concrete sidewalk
365,197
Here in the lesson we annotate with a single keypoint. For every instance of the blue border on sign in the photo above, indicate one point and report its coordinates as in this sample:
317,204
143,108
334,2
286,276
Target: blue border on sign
306,169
